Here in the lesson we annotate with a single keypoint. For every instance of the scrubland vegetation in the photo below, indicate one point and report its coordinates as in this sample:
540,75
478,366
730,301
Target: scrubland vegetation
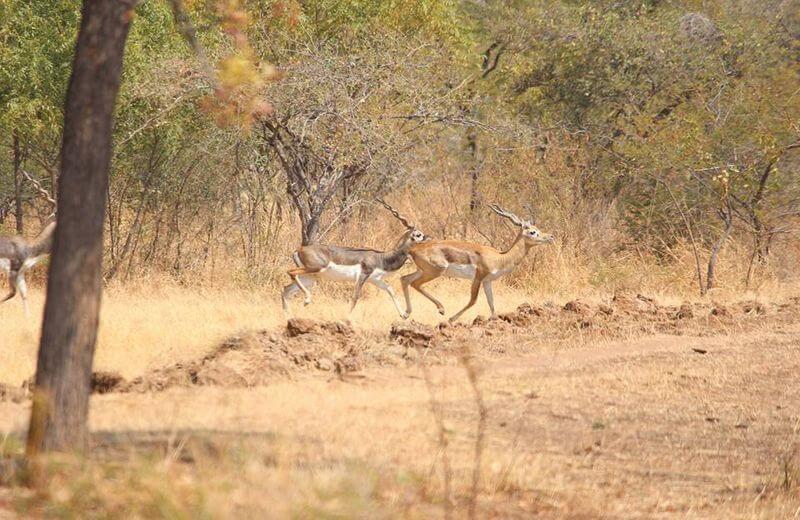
640,134
659,141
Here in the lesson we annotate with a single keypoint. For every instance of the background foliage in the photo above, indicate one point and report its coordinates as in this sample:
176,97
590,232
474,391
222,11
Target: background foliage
651,137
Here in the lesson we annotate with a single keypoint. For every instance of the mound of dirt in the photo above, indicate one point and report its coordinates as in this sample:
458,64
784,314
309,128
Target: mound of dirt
335,347
261,357
624,315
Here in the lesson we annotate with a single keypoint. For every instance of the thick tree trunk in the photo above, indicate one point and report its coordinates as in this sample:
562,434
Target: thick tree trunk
18,217
69,331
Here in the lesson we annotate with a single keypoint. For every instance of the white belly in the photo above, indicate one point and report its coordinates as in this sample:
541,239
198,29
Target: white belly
460,271
347,273
468,271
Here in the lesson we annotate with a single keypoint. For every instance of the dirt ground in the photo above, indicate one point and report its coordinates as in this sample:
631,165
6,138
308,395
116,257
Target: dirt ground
623,408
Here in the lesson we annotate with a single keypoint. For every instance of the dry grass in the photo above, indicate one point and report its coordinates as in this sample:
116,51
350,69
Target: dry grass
630,429
642,427
144,327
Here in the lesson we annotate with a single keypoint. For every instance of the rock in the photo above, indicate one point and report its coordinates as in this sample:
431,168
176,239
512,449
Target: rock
341,328
104,382
324,364
520,319
605,309
479,321
578,307
412,334
348,364
699,28
634,304
526,309
685,312
299,326
221,375
720,311
754,307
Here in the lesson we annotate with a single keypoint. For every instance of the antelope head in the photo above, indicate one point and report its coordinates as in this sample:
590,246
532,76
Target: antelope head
413,234
528,232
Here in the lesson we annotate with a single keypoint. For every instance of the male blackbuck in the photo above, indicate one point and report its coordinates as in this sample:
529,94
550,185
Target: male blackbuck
458,259
18,254
349,264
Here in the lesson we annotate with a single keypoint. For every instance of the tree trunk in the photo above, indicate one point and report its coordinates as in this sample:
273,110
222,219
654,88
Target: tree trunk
715,250
472,147
310,231
18,217
61,396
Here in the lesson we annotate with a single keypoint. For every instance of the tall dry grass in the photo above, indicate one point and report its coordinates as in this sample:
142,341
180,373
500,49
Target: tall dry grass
145,326
155,313
153,321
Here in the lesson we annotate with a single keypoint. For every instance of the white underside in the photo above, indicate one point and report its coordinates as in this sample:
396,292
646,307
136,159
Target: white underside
460,271
467,271
18,281
338,273
346,273
5,263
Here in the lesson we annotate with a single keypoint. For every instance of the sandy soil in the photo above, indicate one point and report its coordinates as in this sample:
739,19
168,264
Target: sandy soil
622,409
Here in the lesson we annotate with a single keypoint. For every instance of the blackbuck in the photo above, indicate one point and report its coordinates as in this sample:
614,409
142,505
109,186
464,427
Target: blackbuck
479,263
18,254
350,264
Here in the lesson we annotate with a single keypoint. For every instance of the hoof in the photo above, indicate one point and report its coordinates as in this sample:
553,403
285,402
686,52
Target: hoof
306,303
441,311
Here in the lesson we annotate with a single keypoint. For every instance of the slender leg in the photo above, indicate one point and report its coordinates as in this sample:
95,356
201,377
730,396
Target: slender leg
476,287
23,291
404,282
292,289
12,286
295,275
380,284
288,291
362,279
30,262
487,290
425,278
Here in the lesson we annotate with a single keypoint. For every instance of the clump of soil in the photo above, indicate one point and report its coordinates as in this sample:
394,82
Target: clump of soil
579,307
104,382
624,315
15,394
260,357
413,334
311,346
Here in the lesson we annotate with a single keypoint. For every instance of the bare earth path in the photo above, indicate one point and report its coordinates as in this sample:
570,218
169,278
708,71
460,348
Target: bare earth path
648,427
